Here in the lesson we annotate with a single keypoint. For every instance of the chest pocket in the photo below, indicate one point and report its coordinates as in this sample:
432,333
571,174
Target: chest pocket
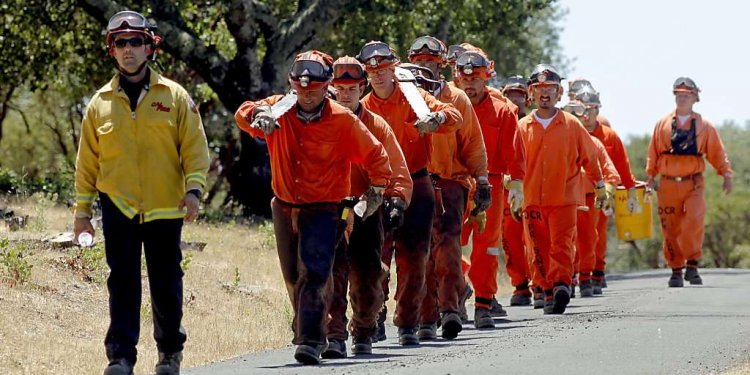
684,141
109,143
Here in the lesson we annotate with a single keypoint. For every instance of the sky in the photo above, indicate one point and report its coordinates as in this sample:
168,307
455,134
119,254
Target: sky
632,51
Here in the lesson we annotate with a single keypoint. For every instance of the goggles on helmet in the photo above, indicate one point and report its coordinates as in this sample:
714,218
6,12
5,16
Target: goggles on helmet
313,70
454,51
517,83
685,84
578,84
374,52
348,72
470,63
575,108
127,19
545,75
426,45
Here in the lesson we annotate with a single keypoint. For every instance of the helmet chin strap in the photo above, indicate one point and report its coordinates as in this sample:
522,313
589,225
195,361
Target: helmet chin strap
127,74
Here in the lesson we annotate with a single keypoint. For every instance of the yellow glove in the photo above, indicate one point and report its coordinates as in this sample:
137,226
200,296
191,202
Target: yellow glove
609,204
601,196
515,197
480,218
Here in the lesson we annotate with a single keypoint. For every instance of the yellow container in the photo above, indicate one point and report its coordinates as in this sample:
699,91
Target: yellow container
633,226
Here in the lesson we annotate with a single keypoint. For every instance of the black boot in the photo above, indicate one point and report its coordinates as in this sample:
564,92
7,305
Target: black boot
119,366
691,273
169,364
335,349
675,281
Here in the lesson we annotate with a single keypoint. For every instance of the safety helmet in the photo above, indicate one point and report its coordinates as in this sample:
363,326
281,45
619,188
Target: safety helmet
475,63
578,83
129,21
311,70
515,83
685,84
377,55
429,47
544,74
454,51
588,96
347,70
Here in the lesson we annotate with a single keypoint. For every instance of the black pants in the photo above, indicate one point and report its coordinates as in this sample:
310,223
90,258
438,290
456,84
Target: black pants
160,239
306,258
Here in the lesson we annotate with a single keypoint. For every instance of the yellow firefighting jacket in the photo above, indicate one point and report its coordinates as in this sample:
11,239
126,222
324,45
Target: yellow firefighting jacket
144,160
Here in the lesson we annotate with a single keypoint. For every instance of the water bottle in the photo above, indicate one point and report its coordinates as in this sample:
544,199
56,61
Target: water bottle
85,239
360,208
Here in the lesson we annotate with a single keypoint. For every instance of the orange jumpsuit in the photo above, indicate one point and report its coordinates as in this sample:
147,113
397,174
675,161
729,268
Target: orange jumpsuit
586,227
357,265
310,166
682,204
619,156
505,154
552,193
603,120
456,160
411,242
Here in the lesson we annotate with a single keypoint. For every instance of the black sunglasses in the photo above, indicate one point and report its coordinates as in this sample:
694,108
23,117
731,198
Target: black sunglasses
134,42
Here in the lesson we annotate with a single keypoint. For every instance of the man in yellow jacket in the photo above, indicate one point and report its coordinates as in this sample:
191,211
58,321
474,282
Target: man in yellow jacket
143,151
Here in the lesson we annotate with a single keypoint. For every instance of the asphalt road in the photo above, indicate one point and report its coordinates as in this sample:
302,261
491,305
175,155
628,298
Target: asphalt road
639,326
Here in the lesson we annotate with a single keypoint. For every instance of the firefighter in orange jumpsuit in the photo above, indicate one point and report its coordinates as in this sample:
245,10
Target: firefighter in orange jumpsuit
357,266
505,155
557,147
389,99
680,141
577,84
587,232
516,260
458,164
312,146
617,153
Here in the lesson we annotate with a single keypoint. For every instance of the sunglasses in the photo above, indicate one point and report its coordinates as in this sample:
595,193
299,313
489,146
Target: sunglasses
426,42
134,42
312,69
130,18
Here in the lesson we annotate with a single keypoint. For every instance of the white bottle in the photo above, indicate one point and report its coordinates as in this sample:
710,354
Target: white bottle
85,239
360,208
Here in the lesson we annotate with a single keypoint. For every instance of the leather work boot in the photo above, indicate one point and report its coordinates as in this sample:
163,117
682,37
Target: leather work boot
483,318
335,349
604,281
169,364
450,325
380,333
496,309
120,366
675,281
308,354
597,286
520,299
538,297
407,337
691,273
559,301
361,345
468,292
427,332
586,288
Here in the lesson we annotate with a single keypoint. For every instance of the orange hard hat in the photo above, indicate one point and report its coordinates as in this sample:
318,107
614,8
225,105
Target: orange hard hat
311,70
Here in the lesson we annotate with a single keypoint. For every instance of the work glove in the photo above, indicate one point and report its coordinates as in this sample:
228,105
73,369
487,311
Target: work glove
429,123
609,202
483,195
477,217
393,208
369,202
601,195
515,198
264,120
633,205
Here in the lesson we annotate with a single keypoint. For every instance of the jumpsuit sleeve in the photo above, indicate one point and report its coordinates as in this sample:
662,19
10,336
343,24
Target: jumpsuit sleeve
193,147
715,152
652,161
587,154
87,161
244,115
622,163
363,148
470,142
453,119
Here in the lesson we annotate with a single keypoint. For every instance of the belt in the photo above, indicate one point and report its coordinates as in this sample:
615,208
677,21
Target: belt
420,173
682,178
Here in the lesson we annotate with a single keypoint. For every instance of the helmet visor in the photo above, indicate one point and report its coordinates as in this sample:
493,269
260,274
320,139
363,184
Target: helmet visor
454,51
374,50
312,69
577,109
126,18
432,45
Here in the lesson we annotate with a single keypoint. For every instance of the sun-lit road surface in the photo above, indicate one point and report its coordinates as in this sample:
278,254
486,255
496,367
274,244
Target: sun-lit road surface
639,326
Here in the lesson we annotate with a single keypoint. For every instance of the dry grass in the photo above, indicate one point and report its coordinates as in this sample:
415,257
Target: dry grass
235,302
743,369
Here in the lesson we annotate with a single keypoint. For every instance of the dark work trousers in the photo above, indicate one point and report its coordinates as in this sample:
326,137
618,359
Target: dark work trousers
123,240
444,266
306,258
412,249
357,266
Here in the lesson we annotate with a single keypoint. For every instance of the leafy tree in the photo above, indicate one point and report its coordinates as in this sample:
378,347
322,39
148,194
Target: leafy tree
230,51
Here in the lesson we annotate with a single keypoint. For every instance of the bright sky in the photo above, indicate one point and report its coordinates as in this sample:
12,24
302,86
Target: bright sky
632,51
